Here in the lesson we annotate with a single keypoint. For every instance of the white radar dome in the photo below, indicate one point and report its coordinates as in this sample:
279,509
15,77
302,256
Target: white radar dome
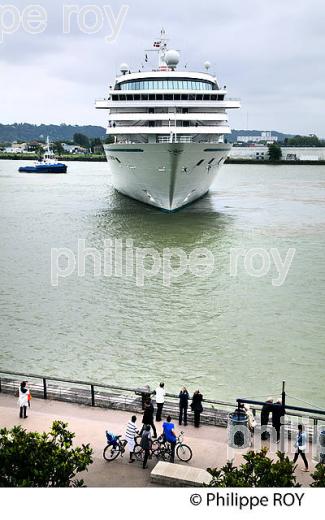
124,68
207,65
172,58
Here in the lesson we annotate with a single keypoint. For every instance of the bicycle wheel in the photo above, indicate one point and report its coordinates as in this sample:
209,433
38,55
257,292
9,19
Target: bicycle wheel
184,452
138,453
156,445
165,454
111,452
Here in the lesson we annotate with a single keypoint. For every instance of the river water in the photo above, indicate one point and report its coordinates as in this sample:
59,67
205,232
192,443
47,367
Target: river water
228,335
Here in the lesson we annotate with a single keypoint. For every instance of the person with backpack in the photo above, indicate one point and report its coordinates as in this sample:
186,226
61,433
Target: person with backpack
183,405
196,407
146,444
301,445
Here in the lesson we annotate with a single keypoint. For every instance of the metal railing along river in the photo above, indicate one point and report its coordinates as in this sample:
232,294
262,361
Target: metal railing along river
126,398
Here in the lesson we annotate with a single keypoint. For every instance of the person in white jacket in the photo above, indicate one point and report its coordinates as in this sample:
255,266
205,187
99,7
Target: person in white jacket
301,445
160,399
23,400
251,422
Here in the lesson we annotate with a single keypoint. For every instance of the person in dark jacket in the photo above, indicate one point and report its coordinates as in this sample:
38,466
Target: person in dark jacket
265,414
146,444
277,414
183,405
196,407
147,418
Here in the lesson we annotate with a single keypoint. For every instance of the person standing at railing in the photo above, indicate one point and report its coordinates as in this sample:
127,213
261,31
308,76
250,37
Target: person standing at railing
251,422
183,405
265,414
160,399
196,407
277,414
301,445
23,400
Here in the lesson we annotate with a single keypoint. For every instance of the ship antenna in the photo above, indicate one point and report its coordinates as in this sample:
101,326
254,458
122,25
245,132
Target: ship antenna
160,46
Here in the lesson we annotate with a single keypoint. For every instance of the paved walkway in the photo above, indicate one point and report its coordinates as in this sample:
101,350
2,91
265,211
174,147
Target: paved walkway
208,442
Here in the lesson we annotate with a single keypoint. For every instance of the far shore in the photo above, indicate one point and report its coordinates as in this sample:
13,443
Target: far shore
102,158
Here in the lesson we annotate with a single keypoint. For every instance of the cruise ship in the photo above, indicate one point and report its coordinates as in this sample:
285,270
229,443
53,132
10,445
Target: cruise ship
167,129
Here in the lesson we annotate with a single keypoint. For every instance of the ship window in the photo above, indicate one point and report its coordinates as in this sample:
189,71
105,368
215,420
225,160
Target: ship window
200,162
151,110
152,97
211,161
137,97
168,96
177,97
114,98
169,84
184,97
144,97
159,96
199,97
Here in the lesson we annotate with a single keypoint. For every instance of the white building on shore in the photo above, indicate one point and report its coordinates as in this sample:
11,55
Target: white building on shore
264,137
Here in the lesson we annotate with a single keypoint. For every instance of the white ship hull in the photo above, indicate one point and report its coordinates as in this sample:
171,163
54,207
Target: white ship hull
165,175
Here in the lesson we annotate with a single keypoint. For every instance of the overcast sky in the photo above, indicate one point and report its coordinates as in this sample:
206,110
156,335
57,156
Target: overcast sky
269,53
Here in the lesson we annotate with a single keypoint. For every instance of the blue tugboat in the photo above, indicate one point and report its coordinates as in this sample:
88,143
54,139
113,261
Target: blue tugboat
48,164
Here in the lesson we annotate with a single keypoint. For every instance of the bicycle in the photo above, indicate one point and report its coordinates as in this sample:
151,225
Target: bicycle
161,452
183,451
162,449
115,447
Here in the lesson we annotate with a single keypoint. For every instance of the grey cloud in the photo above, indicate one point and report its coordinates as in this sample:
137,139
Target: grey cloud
270,54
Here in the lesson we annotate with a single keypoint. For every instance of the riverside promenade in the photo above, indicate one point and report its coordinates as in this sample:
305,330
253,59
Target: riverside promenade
209,443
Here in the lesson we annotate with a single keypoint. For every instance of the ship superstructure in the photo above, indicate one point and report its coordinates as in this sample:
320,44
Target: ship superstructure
167,129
